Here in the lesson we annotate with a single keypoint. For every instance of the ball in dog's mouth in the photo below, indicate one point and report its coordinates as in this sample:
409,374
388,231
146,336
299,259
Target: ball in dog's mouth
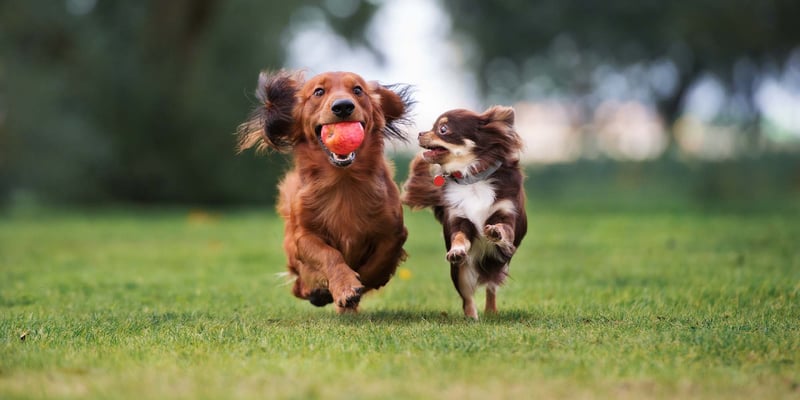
341,140
342,137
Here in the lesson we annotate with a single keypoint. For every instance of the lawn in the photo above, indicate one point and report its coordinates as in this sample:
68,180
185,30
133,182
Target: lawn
601,304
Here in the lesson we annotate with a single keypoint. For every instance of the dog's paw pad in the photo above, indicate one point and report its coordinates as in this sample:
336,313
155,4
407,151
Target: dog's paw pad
456,255
350,297
320,297
493,233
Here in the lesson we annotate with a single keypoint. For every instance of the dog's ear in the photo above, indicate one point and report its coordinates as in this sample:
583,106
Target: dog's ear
395,102
271,123
499,120
499,115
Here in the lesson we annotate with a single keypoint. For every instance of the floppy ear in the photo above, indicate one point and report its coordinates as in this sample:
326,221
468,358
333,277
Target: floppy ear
395,103
270,124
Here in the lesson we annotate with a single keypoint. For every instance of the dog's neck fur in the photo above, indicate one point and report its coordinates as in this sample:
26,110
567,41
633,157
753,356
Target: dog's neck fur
475,174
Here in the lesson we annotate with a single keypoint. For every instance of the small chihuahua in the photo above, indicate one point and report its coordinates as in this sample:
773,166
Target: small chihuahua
469,174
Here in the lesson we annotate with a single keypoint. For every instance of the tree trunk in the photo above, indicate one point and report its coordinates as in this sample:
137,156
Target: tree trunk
671,107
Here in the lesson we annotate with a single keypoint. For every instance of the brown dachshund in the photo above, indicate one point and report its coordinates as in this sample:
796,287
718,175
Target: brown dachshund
344,231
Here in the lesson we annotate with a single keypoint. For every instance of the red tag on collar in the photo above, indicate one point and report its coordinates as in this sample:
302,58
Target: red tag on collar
438,180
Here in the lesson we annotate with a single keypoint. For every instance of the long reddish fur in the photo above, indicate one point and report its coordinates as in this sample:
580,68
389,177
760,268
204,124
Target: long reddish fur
344,230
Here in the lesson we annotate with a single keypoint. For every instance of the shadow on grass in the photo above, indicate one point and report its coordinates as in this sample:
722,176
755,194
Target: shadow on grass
406,317
531,318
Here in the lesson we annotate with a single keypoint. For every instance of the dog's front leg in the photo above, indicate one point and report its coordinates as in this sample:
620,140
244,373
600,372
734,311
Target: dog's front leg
459,233
343,282
388,253
459,247
499,229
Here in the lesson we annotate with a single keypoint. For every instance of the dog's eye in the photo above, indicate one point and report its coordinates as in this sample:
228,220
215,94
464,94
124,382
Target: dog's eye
319,92
443,129
358,90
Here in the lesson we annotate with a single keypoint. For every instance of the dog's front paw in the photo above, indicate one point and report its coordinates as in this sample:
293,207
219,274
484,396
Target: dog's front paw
352,297
495,233
348,297
320,297
457,255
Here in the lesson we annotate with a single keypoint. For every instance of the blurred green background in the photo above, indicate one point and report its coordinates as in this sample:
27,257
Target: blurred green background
626,103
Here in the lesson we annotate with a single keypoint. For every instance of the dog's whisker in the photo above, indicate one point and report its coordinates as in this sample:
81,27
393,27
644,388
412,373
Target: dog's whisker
287,277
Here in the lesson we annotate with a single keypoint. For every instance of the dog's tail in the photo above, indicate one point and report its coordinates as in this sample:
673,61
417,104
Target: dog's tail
419,191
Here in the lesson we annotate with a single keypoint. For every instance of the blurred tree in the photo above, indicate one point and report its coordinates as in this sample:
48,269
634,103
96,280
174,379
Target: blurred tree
571,42
138,101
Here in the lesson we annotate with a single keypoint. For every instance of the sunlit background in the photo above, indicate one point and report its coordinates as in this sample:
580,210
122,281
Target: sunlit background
137,101
617,107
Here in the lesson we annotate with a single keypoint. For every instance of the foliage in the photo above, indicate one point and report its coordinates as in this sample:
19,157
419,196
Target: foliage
137,101
742,185
563,47
601,304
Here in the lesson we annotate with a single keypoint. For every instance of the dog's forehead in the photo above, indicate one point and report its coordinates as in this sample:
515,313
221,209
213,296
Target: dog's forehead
457,117
334,79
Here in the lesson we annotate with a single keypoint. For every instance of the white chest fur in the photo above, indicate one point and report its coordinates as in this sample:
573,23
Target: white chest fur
473,202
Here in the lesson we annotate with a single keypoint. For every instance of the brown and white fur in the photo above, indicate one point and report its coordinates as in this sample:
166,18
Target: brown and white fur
344,229
481,201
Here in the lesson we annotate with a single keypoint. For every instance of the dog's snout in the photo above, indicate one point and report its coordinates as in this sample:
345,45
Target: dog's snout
343,108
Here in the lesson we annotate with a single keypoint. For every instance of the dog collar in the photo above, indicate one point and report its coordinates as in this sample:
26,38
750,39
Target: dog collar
459,178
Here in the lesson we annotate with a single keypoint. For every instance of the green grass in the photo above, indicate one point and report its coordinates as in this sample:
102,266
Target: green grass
171,304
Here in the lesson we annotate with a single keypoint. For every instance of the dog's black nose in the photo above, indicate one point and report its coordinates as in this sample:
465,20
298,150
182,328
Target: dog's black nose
343,108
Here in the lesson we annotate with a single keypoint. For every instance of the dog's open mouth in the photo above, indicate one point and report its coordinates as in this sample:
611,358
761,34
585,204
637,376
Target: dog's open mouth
434,152
340,141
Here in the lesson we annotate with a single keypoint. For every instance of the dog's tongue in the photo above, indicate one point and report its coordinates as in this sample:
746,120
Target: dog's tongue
343,137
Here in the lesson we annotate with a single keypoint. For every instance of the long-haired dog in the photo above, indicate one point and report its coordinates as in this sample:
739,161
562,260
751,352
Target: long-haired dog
343,218
469,174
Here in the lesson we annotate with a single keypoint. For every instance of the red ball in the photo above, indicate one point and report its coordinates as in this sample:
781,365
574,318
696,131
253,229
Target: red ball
344,137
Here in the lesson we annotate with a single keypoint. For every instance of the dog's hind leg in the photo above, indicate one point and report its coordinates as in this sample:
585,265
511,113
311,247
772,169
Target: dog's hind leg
380,267
493,281
491,298
465,279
